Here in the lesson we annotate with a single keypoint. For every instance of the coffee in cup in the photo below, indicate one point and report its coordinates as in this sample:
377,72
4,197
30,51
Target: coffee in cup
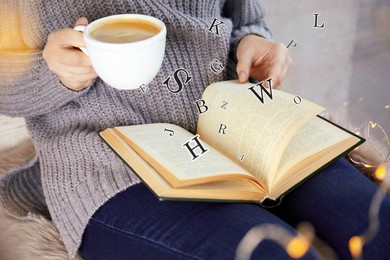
124,31
126,50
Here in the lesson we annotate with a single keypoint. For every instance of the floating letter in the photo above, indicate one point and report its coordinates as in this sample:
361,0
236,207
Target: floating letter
292,43
224,104
316,22
216,66
214,26
297,100
178,80
199,145
223,128
171,132
262,88
144,88
199,104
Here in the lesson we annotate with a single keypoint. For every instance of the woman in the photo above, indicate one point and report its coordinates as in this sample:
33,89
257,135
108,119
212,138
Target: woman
98,204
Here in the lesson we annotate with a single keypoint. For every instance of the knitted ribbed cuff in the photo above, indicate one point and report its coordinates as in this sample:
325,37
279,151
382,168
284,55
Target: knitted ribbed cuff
29,88
253,29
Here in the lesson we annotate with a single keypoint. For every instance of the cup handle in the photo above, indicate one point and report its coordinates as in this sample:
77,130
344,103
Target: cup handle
81,28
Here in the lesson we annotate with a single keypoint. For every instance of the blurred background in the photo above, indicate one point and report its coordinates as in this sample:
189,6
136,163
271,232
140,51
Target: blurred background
345,65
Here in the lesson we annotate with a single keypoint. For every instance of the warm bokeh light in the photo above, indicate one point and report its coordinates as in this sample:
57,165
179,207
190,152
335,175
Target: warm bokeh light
387,107
297,247
356,246
380,172
11,32
357,148
307,231
19,35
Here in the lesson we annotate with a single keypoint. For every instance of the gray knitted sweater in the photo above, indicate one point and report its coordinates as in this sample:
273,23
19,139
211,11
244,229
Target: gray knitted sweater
78,170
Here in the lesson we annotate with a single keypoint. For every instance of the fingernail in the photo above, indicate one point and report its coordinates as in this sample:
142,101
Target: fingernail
83,21
242,76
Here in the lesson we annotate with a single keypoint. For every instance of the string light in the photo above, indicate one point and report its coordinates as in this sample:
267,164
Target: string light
380,172
356,246
384,157
356,243
295,246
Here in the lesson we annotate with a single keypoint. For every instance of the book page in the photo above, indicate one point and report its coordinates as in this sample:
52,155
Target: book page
231,190
315,136
255,133
164,150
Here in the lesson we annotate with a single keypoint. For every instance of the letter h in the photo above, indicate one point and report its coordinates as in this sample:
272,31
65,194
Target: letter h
199,145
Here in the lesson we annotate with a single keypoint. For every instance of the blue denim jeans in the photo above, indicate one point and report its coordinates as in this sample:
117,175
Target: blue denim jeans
136,225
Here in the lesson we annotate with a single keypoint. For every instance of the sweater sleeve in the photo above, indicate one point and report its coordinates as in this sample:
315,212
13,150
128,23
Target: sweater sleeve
27,87
247,17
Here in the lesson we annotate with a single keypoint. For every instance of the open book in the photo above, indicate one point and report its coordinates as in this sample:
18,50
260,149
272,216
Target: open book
251,145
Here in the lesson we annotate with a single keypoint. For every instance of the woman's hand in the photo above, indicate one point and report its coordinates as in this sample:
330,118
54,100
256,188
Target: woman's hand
262,59
63,57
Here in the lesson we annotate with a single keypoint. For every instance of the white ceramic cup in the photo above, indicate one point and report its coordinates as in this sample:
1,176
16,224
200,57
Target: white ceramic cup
125,65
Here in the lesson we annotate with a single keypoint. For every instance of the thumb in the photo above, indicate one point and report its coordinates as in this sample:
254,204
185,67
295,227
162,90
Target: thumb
244,65
81,21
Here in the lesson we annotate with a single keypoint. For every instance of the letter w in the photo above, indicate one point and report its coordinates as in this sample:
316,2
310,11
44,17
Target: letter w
262,88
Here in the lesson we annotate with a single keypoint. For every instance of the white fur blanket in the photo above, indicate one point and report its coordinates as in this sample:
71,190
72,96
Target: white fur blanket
32,239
